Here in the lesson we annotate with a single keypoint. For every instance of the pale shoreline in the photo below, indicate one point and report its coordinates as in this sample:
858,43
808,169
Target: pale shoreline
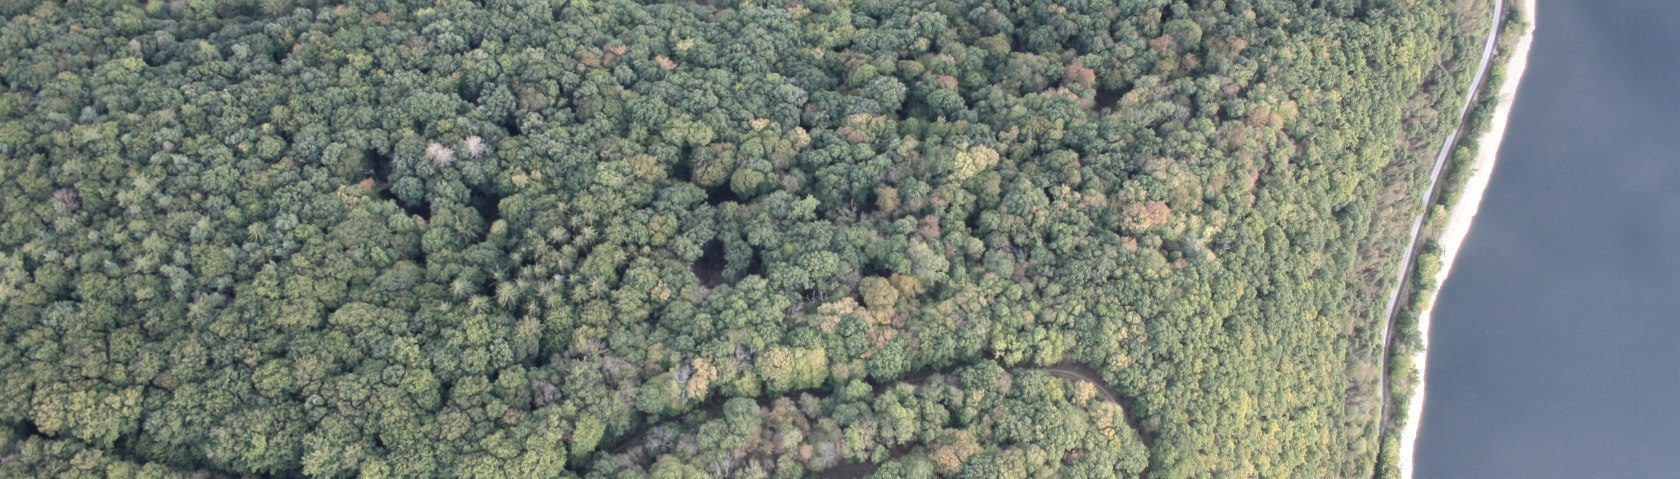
1460,219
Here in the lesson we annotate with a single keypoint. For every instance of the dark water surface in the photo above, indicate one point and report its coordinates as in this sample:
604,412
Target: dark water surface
1556,341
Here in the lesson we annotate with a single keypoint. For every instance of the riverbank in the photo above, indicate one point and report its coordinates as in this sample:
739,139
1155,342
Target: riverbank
1461,217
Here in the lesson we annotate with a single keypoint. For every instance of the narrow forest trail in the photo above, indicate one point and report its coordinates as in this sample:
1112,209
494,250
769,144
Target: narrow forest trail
1075,372
1081,373
1437,172
714,406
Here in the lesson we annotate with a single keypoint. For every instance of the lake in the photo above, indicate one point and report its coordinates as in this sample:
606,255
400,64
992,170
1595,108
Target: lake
1555,348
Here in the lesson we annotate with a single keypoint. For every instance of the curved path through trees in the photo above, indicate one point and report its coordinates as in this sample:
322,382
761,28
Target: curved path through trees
1071,371
1414,246
1081,373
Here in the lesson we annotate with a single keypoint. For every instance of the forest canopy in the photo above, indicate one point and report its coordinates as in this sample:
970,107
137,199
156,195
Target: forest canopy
610,238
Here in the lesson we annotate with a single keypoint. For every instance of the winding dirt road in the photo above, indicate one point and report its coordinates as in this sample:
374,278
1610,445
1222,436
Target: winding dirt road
1082,373
1066,370
1071,371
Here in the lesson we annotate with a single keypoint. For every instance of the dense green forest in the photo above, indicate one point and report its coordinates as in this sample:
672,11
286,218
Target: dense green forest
608,238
